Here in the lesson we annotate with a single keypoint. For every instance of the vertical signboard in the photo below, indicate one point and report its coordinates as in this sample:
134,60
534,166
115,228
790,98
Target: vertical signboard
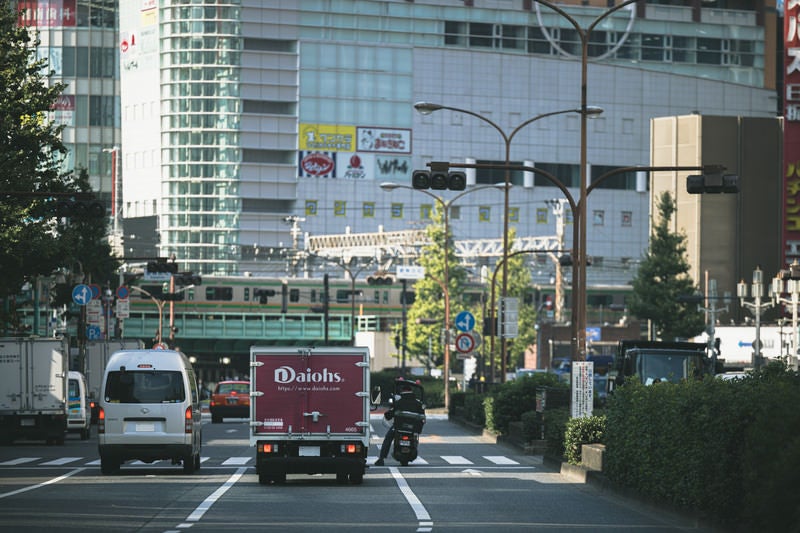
582,388
791,133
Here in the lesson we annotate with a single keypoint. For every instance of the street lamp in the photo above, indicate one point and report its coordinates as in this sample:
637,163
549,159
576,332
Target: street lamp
788,281
445,206
756,307
585,111
160,306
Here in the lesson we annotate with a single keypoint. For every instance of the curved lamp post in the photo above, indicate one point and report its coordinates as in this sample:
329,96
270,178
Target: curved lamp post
427,108
445,205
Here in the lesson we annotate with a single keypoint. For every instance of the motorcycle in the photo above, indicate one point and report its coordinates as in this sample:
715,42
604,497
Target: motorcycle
407,426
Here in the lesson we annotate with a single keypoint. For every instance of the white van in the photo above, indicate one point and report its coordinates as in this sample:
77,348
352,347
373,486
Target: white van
149,410
79,418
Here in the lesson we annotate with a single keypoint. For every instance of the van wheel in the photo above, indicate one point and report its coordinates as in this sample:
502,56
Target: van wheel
197,462
85,433
109,465
189,464
216,419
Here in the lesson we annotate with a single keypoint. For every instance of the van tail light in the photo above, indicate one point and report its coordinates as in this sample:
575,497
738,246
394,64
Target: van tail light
101,421
189,420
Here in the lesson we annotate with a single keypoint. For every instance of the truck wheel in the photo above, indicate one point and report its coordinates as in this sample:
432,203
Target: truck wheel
277,479
341,479
188,464
357,479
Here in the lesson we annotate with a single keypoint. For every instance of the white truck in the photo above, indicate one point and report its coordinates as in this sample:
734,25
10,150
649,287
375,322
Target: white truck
97,355
33,389
309,412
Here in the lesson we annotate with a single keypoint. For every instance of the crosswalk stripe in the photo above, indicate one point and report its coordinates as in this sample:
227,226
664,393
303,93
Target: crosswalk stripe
500,460
19,461
236,461
457,460
62,461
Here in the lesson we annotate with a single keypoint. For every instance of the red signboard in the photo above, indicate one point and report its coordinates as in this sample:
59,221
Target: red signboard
791,133
47,13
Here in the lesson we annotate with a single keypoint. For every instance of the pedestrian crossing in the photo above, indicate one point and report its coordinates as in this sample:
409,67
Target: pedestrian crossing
249,460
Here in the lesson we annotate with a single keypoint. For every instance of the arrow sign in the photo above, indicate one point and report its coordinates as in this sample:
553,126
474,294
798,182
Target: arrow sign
465,321
81,294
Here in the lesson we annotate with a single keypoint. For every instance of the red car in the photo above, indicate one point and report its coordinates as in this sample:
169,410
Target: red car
230,399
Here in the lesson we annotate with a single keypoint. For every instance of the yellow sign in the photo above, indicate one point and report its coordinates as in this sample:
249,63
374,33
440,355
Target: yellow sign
327,138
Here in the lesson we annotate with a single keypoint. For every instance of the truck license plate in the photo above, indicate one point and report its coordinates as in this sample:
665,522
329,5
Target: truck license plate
308,451
27,422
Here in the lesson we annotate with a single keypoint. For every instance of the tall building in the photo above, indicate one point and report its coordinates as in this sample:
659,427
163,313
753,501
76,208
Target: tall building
238,116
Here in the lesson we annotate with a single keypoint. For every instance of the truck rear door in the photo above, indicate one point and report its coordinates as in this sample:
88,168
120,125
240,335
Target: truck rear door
46,372
311,391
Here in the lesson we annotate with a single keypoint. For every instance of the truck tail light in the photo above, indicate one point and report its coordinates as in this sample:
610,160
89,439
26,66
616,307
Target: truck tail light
351,448
189,420
268,447
101,421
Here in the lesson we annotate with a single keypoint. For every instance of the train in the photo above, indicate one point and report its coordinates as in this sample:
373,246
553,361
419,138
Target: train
373,295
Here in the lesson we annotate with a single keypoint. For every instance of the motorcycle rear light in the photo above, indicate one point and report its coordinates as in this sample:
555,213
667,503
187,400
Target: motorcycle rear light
405,437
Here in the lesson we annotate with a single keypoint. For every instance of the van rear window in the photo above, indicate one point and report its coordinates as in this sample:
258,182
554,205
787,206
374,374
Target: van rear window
151,386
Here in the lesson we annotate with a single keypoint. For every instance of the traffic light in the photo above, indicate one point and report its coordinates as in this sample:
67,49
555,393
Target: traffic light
380,278
162,267
712,183
439,180
263,294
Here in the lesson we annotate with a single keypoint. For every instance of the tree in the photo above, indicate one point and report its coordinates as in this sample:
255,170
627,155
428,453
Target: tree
35,242
429,301
662,278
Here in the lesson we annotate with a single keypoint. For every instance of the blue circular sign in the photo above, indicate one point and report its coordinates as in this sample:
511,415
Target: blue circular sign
123,292
465,321
81,294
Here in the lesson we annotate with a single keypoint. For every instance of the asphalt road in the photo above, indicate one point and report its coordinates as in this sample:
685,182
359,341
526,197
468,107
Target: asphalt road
461,482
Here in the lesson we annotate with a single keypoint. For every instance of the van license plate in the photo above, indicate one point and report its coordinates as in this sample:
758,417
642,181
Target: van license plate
145,427
27,422
308,451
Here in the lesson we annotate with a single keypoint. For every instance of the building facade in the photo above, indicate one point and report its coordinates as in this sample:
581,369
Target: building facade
234,117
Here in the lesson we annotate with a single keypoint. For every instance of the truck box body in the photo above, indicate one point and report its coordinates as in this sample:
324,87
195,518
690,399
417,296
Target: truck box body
33,389
97,355
309,411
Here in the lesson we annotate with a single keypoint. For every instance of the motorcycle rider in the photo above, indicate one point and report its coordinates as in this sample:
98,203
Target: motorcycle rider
407,402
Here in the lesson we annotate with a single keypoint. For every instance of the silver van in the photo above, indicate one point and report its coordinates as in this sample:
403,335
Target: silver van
149,410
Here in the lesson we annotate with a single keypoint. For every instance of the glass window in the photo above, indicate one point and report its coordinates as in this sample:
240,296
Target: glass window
150,386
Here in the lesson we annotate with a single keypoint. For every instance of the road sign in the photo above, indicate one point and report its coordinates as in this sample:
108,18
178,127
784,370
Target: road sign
123,292
465,343
95,290
410,272
93,333
465,321
123,308
81,294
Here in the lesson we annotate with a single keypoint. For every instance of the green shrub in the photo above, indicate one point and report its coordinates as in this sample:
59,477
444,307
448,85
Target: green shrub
516,397
555,424
580,431
531,426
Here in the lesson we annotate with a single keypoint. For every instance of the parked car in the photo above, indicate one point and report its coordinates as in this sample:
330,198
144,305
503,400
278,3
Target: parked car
230,399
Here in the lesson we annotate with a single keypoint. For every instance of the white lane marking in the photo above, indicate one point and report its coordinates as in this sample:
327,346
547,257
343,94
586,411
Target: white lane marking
201,509
61,461
457,460
43,484
236,461
500,460
19,461
416,505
